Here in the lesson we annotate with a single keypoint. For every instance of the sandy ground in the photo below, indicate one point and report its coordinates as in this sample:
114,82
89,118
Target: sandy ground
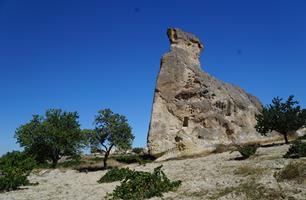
217,176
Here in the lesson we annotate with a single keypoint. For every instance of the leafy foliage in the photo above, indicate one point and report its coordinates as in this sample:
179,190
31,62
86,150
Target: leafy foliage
50,137
115,174
137,150
296,150
141,185
112,130
247,150
129,159
282,117
14,169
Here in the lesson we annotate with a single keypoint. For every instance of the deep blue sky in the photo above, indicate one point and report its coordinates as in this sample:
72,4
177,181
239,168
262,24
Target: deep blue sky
87,55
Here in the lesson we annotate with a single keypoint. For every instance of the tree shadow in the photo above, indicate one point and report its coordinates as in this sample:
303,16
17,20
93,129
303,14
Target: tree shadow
239,158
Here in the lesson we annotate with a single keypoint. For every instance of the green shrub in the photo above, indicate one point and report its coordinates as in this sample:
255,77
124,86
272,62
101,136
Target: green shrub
247,150
141,185
296,150
293,171
130,158
74,163
137,150
14,169
115,174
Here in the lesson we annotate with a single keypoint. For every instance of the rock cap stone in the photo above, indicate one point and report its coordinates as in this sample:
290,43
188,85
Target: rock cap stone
177,36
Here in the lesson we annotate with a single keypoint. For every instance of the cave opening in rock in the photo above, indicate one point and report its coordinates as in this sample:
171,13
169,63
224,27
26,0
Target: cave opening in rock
185,123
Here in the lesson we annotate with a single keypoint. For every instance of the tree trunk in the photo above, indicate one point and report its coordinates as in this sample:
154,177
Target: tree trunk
54,162
107,152
286,138
55,158
105,159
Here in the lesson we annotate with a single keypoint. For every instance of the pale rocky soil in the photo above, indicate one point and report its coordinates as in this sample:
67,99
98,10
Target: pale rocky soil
216,176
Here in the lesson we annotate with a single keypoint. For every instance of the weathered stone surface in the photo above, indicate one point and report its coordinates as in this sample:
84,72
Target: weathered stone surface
301,132
192,111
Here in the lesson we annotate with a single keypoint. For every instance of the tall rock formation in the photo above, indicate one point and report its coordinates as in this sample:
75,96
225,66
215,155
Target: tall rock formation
192,111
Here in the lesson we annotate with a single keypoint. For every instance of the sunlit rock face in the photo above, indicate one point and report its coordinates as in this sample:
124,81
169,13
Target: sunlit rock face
192,111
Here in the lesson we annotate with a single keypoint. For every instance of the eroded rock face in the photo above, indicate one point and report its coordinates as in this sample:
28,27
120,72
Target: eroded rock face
192,111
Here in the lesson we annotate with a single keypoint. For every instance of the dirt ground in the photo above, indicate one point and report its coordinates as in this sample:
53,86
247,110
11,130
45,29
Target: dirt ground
217,176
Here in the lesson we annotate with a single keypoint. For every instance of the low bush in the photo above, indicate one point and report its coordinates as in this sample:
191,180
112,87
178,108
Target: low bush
115,174
71,163
74,163
293,171
247,170
296,150
220,148
302,137
142,185
14,169
137,150
132,158
250,190
247,150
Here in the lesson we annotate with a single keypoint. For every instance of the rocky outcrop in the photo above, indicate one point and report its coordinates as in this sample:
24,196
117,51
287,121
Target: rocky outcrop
192,111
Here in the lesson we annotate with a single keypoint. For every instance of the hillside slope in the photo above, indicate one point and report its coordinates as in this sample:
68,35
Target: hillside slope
217,176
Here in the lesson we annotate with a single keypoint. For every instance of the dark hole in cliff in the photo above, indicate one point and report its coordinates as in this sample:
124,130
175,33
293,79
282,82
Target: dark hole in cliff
185,123
178,139
185,95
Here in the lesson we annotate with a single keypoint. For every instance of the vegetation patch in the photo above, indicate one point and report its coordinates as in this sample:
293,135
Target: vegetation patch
220,148
247,150
251,190
115,174
200,193
293,171
281,116
111,131
132,158
14,169
138,150
139,185
50,137
246,170
296,150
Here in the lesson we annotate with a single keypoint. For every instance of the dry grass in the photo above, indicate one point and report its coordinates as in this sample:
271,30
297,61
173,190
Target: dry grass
220,148
295,170
96,166
246,170
250,190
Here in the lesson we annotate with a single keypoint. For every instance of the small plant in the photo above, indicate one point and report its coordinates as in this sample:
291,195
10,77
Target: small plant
137,150
115,174
220,148
296,150
142,185
246,170
129,159
293,171
250,190
14,169
247,150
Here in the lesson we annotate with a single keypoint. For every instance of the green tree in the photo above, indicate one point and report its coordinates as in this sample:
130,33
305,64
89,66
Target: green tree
111,130
51,137
283,117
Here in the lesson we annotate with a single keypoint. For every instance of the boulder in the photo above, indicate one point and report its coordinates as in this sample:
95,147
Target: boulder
194,112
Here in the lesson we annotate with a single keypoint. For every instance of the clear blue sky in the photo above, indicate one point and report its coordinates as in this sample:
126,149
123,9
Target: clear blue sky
87,55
